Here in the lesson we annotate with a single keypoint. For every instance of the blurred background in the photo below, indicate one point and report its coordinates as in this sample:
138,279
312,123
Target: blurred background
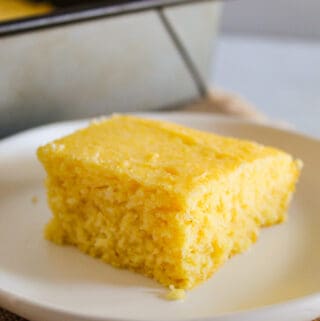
63,60
269,51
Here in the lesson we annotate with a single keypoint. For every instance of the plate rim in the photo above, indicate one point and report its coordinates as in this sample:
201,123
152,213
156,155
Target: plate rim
268,124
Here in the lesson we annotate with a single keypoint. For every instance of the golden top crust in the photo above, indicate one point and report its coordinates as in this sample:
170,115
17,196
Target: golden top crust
156,153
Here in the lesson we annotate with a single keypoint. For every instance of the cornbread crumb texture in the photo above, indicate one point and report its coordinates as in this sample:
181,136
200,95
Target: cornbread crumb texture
168,201
14,9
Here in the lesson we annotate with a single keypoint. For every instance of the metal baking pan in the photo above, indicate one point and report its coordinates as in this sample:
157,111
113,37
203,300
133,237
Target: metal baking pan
73,11
88,58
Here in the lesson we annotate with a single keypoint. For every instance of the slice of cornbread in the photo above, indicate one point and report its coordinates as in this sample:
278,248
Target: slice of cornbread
16,9
170,202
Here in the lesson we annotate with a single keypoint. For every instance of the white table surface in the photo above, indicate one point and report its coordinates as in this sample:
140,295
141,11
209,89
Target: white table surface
281,77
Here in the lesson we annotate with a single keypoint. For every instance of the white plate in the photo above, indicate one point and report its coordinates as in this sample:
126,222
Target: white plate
278,279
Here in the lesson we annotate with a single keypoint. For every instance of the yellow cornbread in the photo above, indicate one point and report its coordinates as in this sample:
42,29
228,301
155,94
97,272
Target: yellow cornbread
15,9
170,202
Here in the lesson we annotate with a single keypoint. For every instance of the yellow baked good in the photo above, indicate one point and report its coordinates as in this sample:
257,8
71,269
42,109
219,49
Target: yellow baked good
15,9
170,202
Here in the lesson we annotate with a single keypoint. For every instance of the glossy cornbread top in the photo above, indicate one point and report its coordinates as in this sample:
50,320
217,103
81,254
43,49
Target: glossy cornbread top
157,153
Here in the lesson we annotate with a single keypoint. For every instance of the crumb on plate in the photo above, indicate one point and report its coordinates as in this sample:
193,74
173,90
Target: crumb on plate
175,294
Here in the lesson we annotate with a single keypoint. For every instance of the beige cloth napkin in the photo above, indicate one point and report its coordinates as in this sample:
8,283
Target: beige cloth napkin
225,103
219,102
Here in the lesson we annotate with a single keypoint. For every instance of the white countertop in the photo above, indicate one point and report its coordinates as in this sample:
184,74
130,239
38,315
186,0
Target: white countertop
281,77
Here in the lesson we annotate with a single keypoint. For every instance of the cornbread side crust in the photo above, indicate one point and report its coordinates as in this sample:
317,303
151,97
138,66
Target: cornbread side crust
161,199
